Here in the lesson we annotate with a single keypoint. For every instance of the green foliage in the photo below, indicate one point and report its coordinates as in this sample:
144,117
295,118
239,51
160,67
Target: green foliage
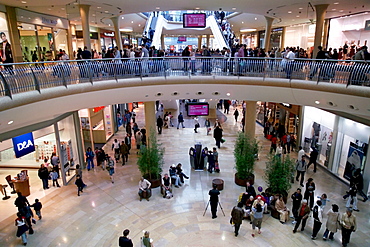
278,174
245,152
150,160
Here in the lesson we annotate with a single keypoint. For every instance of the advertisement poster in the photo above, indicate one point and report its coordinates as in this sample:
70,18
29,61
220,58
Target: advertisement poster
354,160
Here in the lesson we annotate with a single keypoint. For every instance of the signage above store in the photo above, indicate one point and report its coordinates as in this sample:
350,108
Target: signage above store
109,34
48,21
286,105
23,145
367,25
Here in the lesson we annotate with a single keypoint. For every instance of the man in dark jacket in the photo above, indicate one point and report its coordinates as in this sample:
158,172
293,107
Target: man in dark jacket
159,124
313,157
124,241
297,198
237,215
86,54
217,134
214,200
44,176
180,119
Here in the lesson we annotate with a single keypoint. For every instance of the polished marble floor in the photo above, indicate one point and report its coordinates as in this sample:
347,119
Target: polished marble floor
104,210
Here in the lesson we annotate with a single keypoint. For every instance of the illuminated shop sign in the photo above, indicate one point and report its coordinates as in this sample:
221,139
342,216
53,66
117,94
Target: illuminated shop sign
23,145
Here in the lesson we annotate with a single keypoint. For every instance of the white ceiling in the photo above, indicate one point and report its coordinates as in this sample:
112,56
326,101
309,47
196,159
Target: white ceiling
286,12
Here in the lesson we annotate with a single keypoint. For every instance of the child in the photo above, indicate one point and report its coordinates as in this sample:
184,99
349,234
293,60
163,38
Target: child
37,206
80,185
78,171
54,177
324,199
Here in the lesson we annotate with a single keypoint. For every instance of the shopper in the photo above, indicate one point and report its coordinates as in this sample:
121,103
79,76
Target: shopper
20,222
44,176
146,240
125,241
257,218
54,177
37,206
90,158
317,217
301,168
80,184
349,225
237,215
110,167
302,215
333,222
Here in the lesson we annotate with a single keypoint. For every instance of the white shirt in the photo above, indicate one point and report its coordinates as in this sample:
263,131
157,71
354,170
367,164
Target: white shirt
290,55
145,184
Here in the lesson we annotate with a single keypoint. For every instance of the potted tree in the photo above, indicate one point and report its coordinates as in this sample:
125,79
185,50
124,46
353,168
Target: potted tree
245,154
278,174
150,160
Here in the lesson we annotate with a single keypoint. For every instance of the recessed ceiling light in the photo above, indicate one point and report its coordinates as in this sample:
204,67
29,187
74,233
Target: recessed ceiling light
132,21
106,11
108,24
317,102
232,25
333,9
63,8
297,16
157,8
289,12
10,122
93,14
341,10
233,8
300,8
123,17
24,2
99,7
228,94
336,3
139,25
242,22
255,18
197,8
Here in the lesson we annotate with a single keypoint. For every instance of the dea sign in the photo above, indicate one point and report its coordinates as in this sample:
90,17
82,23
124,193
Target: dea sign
23,145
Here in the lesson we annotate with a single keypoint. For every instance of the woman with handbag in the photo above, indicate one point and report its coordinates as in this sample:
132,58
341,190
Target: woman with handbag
20,222
333,222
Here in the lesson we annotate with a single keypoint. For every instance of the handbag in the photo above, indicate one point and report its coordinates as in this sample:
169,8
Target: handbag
222,140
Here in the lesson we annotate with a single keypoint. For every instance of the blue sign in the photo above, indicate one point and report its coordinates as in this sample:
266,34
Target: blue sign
23,145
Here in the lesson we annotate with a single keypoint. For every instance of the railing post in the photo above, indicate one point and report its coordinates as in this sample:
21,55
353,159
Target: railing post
88,67
6,86
63,76
37,84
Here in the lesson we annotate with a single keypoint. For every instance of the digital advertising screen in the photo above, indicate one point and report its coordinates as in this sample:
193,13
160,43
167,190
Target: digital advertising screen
198,109
194,20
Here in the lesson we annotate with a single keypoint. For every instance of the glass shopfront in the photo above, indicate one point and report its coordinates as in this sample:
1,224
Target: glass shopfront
300,35
46,142
342,143
41,36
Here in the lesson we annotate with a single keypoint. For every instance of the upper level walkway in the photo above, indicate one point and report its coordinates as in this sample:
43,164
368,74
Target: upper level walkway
49,89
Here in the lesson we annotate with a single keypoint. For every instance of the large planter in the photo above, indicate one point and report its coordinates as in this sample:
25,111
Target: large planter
243,182
156,182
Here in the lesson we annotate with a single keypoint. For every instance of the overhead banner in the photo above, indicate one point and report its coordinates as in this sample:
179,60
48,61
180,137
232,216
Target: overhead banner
23,145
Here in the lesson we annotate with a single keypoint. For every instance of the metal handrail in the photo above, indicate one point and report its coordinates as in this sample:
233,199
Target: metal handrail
23,77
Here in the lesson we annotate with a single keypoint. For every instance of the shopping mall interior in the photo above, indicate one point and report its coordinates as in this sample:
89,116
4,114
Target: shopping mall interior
69,113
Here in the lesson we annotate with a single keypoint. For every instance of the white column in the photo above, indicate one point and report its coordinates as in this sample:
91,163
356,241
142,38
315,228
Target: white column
150,120
84,12
269,21
117,32
320,17
250,119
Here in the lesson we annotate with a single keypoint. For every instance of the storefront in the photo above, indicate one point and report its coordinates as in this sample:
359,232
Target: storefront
60,137
342,143
250,40
276,37
302,35
41,36
107,39
349,29
97,125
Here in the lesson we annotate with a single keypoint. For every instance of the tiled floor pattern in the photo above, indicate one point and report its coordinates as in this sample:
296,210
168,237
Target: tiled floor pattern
98,217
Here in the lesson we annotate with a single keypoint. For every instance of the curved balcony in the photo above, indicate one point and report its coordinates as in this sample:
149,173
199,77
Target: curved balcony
49,89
